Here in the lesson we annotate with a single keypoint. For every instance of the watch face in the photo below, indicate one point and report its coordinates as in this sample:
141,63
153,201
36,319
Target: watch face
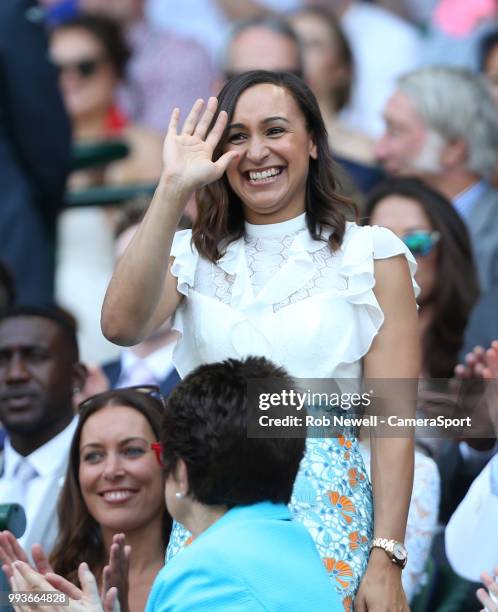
399,552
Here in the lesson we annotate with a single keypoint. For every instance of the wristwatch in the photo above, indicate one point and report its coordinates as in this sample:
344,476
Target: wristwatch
394,549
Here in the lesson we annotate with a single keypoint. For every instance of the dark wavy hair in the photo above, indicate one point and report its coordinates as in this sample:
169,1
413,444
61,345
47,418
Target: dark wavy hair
205,425
221,217
80,537
457,287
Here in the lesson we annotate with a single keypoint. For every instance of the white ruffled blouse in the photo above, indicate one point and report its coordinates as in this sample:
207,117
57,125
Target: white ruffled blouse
277,292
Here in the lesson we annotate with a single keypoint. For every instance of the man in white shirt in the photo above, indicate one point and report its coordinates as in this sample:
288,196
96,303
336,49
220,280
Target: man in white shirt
39,372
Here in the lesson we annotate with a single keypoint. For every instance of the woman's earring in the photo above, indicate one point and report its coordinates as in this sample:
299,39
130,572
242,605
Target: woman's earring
179,495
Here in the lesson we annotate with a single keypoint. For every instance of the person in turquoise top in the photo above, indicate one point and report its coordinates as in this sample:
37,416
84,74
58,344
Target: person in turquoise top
231,492
254,558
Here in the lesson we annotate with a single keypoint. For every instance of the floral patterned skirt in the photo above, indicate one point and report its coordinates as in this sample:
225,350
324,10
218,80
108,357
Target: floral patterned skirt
332,498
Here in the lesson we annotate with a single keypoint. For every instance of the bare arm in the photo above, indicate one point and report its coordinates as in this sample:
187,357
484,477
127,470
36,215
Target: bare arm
143,293
394,355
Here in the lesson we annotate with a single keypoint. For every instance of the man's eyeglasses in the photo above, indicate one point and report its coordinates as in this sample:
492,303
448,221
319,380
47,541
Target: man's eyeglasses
85,68
421,242
150,390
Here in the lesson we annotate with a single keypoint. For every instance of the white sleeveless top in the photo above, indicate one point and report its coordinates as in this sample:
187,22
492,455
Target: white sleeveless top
280,294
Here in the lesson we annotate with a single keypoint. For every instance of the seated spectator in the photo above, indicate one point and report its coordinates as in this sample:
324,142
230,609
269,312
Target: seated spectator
113,485
39,373
262,43
429,225
150,361
378,63
91,55
442,125
165,70
34,152
329,71
247,554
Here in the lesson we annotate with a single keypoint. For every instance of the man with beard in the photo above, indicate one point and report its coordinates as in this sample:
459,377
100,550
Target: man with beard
442,126
39,372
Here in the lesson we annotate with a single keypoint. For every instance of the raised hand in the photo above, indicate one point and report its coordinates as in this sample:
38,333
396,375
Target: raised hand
115,574
188,155
474,364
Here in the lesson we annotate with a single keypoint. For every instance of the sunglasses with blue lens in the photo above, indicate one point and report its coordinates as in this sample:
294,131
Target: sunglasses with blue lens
421,242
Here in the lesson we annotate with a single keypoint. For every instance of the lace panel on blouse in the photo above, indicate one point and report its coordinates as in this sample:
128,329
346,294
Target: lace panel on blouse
264,257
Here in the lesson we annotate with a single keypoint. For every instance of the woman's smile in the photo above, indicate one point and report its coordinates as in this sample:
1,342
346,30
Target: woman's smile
269,132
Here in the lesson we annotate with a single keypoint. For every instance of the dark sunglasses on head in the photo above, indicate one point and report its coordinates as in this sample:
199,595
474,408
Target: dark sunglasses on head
151,390
421,242
85,67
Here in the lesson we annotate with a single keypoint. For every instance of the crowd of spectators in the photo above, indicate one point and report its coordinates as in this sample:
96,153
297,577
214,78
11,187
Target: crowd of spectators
408,92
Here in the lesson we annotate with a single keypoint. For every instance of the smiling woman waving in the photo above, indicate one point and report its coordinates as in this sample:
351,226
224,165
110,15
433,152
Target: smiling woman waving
273,268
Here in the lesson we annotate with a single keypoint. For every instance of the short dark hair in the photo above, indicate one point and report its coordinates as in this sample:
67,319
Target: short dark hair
63,319
221,216
205,425
109,34
457,289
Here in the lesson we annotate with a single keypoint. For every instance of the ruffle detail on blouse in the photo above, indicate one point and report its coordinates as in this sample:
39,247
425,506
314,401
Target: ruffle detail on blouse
185,263
361,246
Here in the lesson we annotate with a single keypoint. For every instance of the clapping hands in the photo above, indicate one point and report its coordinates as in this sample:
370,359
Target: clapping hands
11,551
24,578
114,589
